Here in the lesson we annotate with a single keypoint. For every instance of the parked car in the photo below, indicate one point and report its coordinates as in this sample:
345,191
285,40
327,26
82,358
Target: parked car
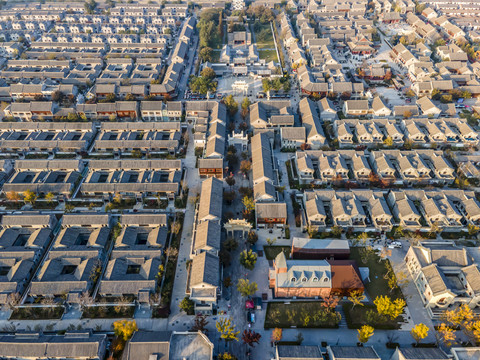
395,244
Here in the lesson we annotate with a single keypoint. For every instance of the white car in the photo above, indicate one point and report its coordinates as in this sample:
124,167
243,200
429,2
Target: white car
395,244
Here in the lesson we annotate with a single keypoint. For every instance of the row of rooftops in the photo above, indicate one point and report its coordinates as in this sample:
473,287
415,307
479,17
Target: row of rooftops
144,345
178,345
204,280
78,137
388,165
411,209
61,177
77,13
438,131
77,249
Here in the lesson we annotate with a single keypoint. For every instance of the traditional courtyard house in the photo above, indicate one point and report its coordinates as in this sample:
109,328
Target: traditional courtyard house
136,257
78,250
444,275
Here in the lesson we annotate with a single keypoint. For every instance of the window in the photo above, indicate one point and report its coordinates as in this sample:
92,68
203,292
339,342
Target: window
326,279
294,279
4,270
315,279
68,269
304,279
133,269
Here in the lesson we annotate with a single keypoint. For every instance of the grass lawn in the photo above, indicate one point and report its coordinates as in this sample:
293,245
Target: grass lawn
357,317
268,55
264,37
377,285
297,313
271,252
37,313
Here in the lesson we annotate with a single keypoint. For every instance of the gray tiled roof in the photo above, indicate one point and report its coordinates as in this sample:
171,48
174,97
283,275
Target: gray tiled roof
422,354
354,352
271,210
205,269
70,345
435,279
299,352
211,199
208,235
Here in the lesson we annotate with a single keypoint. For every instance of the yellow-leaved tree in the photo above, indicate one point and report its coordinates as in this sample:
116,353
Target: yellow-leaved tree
419,332
226,328
124,329
365,333
446,334
388,308
356,297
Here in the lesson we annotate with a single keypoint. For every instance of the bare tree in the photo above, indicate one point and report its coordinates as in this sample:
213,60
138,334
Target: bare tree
13,300
85,300
172,252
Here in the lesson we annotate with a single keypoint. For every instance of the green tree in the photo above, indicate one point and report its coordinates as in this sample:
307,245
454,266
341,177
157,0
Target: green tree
230,244
206,54
187,305
248,259
208,73
202,85
231,104
365,333
436,94
336,231
252,237
266,85
446,99
245,106
246,288
226,328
